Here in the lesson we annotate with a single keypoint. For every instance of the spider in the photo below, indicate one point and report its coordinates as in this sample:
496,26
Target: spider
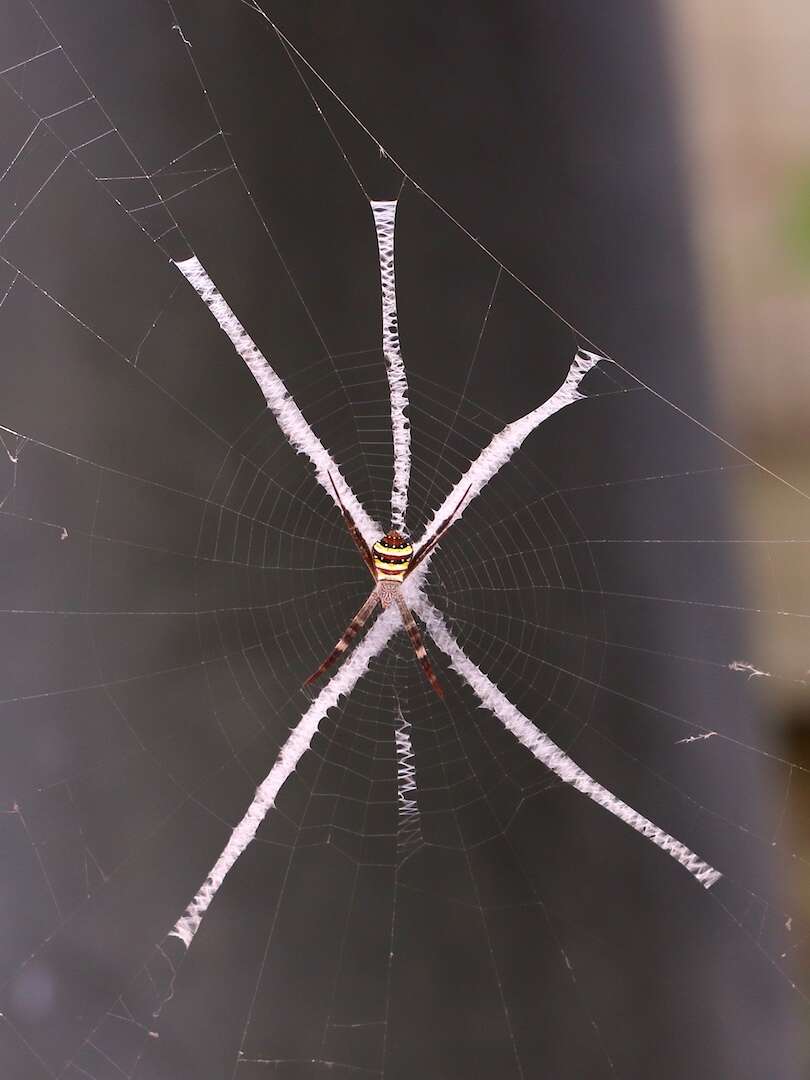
390,561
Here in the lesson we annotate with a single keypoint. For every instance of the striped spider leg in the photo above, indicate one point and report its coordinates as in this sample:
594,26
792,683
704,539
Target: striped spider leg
355,534
349,634
426,549
416,641
390,561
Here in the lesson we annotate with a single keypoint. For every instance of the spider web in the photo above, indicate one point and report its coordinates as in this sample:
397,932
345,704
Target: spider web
424,898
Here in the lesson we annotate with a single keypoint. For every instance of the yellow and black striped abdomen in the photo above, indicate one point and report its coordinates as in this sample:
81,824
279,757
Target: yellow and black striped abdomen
392,556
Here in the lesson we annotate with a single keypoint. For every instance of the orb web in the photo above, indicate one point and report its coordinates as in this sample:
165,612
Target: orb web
180,572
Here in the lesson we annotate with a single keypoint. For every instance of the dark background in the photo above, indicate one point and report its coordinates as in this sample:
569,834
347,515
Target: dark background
153,657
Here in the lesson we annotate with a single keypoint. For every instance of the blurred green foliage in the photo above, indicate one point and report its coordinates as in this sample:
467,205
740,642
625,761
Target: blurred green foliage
797,220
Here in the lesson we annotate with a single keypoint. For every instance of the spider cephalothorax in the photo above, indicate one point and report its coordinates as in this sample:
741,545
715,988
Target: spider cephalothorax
389,561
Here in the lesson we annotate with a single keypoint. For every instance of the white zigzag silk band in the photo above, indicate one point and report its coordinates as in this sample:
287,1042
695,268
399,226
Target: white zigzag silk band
298,742
409,833
489,461
385,221
551,755
290,418
503,445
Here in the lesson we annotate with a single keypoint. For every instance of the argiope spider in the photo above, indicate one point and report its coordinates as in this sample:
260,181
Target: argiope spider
389,562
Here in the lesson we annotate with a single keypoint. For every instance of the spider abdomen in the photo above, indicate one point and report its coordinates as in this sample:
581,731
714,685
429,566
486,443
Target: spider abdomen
392,556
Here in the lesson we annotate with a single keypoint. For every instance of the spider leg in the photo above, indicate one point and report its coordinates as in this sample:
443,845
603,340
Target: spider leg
445,525
350,633
418,645
354,532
